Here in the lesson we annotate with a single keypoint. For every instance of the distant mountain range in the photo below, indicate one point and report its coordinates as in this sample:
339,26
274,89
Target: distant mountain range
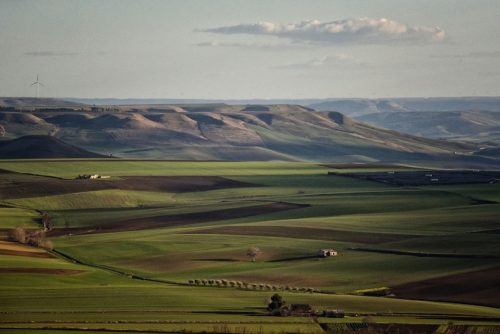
233,132
359,107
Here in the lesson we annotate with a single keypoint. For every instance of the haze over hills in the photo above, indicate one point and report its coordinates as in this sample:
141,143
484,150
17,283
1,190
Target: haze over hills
348,106
474,125
44,102
470,119
359,107
232,132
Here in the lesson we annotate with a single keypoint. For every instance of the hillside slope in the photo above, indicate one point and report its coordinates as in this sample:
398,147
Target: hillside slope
229,132
41,147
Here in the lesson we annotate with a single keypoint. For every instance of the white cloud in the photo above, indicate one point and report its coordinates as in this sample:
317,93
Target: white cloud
359,30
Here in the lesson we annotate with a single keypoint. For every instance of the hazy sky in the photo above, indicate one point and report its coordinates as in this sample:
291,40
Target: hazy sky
235,49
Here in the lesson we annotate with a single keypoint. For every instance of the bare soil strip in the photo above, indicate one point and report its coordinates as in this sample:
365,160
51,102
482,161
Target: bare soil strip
24,253
477,287
17,185
492,231
367,166
426,177
178,220
178,183
50,271
425,254
305,233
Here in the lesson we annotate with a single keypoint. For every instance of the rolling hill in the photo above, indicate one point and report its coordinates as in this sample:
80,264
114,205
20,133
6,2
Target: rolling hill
41,147
218,131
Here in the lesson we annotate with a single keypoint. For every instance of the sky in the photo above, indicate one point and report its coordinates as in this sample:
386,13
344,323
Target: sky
252,49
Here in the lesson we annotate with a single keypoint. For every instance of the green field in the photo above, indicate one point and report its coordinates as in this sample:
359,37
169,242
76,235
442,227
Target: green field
126,259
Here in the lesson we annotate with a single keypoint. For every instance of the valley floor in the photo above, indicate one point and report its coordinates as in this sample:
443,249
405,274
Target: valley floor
167,251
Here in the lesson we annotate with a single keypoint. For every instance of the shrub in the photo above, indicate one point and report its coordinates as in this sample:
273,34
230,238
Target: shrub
19,235
48,245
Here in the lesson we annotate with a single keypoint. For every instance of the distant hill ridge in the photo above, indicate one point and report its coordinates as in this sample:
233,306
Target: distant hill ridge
218,131
40,146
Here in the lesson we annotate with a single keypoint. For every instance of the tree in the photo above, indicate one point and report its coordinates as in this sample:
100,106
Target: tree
253,252
34,238
275,303
46,221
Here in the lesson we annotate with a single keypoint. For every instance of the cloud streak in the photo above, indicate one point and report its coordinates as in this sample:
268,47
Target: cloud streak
471,55
255,46
349,31
50,54
322,63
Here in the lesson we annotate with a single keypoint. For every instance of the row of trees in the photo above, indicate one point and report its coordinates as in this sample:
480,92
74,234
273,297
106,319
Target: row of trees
245,285
33,238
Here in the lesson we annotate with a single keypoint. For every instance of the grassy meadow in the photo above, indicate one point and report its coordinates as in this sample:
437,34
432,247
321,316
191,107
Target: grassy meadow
126,259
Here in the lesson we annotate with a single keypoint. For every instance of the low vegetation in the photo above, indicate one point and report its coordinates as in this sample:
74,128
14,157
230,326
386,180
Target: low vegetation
180,257
30,237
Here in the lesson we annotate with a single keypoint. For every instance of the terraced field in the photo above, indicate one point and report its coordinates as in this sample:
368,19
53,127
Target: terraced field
162,247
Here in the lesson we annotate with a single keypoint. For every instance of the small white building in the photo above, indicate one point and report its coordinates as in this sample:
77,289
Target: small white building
327,252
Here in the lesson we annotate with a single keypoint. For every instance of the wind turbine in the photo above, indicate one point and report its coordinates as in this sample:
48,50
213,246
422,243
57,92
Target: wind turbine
38,84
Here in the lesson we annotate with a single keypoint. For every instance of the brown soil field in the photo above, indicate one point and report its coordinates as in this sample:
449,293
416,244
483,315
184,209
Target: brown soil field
17,185
305,232
493,231
177,220
178,183
50,271
426,177
477,287
366,165
23,253
402,328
